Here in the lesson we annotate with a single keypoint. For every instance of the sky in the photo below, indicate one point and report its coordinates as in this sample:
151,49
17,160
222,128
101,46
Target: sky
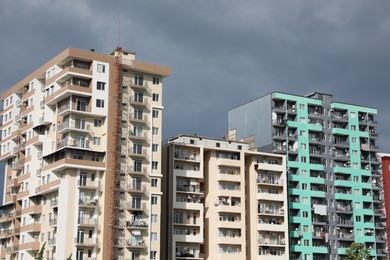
222,53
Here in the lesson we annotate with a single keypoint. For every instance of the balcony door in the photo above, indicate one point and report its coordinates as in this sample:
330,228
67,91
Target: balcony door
80,123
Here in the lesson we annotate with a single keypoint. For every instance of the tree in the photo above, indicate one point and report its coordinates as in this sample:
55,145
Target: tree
40,253
70,257
357,251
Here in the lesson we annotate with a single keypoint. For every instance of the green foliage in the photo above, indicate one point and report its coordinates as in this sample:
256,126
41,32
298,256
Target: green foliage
357,251
40,253
70,257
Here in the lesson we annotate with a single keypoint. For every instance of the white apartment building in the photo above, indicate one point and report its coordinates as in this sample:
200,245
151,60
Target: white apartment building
222,201
80,139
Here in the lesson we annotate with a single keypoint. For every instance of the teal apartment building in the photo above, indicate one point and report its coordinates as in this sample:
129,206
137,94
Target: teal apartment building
334,175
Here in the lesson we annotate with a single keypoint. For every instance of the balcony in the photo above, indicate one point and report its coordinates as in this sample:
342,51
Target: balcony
86,242
137,101
136,243
73,143
142,136
133,188
87,222
73,108
137,224
88,184
74,126
135,206
137,118
88,203
139,153
141,85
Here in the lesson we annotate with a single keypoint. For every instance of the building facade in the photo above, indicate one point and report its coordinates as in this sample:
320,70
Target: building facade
385,158
80,139
222,201
334,195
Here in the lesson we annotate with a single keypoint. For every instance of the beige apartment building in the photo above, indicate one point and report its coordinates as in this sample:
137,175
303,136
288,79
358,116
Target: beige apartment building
80,140
222,201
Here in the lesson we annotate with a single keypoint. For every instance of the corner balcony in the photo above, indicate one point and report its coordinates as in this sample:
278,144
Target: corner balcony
74,108
69,162
68,89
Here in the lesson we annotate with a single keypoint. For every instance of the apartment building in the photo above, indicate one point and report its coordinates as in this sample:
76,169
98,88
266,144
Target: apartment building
80,139
385,159
334,192
222,201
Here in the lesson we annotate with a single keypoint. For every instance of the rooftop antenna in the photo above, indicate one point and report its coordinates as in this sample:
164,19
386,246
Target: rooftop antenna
119,32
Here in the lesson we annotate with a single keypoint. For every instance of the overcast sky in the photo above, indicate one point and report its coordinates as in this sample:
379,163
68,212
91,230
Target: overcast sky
221,53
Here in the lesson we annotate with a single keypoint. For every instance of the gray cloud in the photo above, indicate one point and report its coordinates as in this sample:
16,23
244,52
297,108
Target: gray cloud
222,53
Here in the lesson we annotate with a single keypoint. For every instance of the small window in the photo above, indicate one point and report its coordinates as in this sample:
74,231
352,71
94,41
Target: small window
154,147
218,145
155,131
239,147
154,165
155,113
97,123
154,182
100,85
101,68
100,103
155,97
302,106
192,141
156,80
154,200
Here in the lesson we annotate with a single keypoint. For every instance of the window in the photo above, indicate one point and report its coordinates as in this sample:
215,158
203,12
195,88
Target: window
354,140
304,187
154,218
101,68
155,97
359,232
303,146
302,120
303,159
306,242
154,147
154,200
156,80
305,200
155,130
302,106
153,255
96,140
353,115
357,205
302,133
353,127
155,113
154,182
101,85
139,79
356,192
355,178
100,103
97,123
358,218
154,165
305,214
305,228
